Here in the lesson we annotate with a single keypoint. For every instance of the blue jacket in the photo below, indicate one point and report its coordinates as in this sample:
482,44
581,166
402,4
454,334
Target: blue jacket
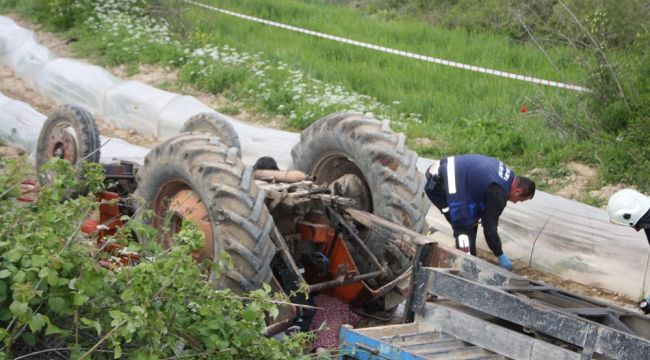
467,177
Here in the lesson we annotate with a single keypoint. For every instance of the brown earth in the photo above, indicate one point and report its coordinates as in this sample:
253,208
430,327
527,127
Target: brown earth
577,185
522,268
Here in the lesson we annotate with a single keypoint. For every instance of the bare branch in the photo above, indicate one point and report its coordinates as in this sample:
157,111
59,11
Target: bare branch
520,19
599,50
101,340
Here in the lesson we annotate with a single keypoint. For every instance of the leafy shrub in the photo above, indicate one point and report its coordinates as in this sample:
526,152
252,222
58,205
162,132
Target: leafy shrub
54,14
625,160
55,295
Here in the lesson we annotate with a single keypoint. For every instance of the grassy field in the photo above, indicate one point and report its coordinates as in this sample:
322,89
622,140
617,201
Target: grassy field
442,110
460,111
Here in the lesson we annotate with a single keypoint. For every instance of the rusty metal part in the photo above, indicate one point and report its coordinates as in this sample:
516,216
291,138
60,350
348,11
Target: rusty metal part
109,222
337,166
123,174
62,143
405,239
344,280
383,290
186,205
174,202
338,220
28,190
354,187
124,170
109,213
286,313
338,201
423,254
119,255
282,247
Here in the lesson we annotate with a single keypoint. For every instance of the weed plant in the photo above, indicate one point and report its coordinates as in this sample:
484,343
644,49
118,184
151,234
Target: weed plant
56,298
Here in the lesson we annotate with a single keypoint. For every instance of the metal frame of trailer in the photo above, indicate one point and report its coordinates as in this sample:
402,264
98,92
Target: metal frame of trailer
486,312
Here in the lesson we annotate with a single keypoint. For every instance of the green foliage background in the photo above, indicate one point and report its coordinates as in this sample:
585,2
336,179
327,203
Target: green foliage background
613,37
54,295
598,44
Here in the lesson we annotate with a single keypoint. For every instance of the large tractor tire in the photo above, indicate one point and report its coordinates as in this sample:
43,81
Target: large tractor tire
345,144
361,158
195,176
69,133
214,124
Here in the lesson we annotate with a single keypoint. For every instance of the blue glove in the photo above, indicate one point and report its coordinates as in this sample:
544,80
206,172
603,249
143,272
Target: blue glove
505,262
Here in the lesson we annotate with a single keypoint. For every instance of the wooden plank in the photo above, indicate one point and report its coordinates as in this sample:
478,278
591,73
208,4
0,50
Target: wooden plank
411,339
440,346
405,239
420,345
389,330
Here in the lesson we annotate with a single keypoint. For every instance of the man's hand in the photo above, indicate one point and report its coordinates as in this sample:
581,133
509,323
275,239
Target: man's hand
505,262
645,305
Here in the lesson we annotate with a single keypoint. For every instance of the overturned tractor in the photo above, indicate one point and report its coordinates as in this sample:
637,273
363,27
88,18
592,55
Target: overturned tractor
332,224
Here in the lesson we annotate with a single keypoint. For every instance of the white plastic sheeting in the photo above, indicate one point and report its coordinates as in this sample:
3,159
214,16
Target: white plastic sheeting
68,81
20,124
114,150
126,104
570,239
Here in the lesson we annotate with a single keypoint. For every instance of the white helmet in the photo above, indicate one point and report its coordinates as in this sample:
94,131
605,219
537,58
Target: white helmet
627,206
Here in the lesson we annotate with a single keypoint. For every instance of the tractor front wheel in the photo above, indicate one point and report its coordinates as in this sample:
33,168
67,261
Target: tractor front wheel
196,177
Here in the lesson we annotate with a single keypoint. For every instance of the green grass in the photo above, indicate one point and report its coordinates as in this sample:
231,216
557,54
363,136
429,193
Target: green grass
303,78
449,100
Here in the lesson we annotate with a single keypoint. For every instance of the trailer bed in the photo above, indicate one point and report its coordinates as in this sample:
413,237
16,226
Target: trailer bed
406,341
462,307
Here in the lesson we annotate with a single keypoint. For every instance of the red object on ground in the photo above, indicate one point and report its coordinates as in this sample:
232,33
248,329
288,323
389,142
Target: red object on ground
28,190
334,313
523,108
89,226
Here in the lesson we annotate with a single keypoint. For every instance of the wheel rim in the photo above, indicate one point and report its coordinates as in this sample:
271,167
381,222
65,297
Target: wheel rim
333,166
177,200
62,143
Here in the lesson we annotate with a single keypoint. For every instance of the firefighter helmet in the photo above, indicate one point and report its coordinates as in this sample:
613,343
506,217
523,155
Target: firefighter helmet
627,206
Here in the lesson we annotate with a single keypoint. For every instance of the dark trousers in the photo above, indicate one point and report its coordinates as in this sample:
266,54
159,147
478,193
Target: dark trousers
435,190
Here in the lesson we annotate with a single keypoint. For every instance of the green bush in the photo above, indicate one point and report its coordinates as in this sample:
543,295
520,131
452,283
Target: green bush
55,295
624,154
54,14
625,160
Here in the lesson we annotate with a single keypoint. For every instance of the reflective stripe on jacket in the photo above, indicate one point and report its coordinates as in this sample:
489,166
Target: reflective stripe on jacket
467,177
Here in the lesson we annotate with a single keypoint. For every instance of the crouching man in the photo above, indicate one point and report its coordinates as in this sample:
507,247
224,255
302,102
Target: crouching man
469,188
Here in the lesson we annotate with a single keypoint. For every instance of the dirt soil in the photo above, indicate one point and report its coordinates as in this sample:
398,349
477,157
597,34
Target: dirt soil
573,186
522,268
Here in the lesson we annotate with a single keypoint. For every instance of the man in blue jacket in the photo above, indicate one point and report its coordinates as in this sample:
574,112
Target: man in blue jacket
469,188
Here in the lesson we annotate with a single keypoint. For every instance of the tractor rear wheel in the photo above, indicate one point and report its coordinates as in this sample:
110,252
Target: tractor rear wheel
197,177
362,159
342,145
